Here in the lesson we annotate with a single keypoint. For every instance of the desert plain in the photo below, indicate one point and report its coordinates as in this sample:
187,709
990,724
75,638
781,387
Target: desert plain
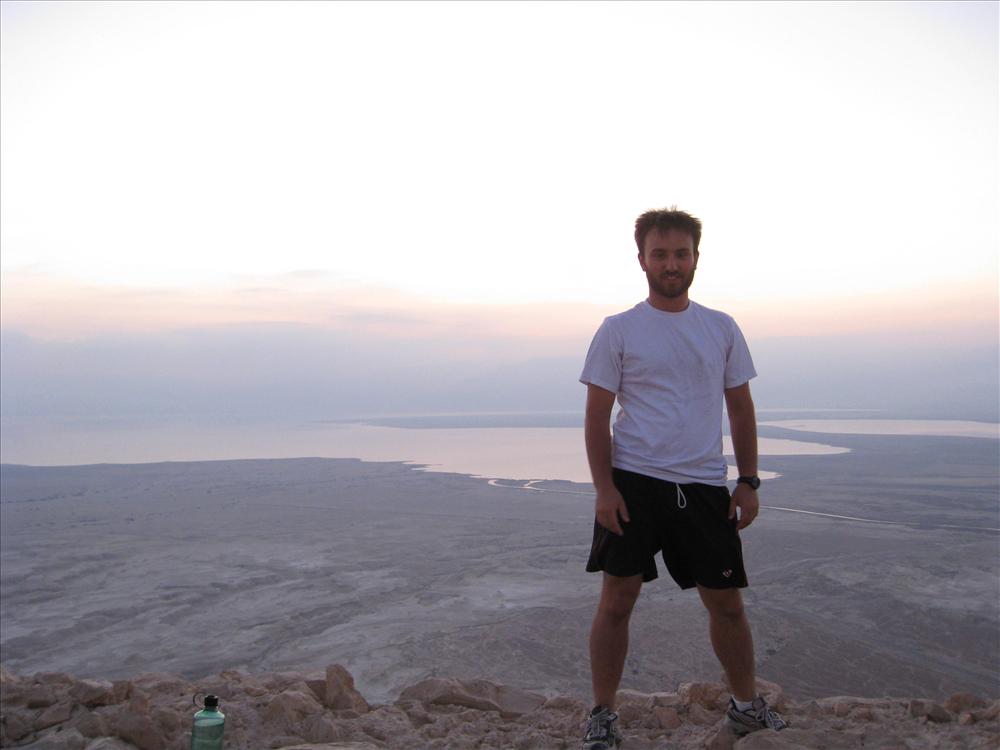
401,574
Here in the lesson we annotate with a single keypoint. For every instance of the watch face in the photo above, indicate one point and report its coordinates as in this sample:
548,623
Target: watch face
754,482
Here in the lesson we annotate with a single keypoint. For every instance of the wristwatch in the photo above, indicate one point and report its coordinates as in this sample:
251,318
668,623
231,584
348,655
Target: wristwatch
753,481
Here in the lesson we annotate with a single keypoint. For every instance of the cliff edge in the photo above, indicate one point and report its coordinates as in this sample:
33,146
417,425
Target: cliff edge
324,711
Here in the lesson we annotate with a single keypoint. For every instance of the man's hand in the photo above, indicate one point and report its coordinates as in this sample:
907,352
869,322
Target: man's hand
611,507
744,498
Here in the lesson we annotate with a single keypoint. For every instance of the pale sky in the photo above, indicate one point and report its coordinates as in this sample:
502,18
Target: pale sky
167,164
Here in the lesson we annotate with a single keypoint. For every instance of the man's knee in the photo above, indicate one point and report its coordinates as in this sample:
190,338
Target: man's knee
618,596
725,604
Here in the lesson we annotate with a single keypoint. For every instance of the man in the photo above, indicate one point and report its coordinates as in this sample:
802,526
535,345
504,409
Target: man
661,481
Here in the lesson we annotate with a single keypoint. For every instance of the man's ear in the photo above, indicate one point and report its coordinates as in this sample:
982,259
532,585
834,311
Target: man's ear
642,261
696,256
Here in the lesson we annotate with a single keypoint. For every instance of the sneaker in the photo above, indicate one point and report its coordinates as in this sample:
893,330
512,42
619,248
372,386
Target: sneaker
758,716
602,730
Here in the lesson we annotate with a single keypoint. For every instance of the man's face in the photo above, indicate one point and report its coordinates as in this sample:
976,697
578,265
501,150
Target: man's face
669,260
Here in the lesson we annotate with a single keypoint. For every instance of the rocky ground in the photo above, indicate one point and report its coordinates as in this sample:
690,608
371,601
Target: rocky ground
324,711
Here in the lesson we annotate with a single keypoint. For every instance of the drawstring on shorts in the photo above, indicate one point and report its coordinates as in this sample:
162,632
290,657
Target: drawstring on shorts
681,500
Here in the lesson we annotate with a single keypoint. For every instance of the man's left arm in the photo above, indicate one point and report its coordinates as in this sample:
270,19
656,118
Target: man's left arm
743,429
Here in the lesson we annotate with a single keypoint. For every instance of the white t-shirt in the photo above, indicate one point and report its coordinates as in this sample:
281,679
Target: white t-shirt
669,371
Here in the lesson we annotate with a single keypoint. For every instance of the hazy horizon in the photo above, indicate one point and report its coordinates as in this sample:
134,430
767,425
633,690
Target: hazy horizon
296,371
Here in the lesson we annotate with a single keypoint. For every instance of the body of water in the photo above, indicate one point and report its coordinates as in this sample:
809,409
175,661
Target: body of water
478,449
917,427
493,452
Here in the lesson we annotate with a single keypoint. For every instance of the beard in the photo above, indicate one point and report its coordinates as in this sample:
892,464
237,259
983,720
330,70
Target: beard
672,286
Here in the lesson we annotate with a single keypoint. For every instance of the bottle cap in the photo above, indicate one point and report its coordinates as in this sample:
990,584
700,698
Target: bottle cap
211,701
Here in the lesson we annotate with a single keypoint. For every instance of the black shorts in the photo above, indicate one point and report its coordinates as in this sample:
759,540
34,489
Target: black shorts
688,523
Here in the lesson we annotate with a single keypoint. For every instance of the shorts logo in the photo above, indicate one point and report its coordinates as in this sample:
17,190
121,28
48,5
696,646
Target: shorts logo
727,573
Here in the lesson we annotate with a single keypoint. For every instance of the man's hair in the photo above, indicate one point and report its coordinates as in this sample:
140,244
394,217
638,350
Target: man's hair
665,219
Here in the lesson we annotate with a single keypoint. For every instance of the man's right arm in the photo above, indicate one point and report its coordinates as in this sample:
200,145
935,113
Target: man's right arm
610,507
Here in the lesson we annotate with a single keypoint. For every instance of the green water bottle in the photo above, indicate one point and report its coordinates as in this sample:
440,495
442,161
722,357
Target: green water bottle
208,724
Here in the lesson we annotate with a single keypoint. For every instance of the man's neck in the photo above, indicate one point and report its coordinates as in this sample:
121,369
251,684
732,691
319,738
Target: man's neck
669,304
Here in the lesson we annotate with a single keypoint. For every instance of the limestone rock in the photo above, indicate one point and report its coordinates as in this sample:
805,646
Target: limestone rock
316,682
667,717
644,701
52,678
109,743
634,707
139,703
698,714
139,730
335,746
289,709
705,694
93,693
320,728
155,683
283,741
386,723
862,713
17,723
40,696
122,689
666,699
960,702
844,706
169,722
323,711
90,724
793,739
479,694
990,713
723,739
812,709
772,693
339,692
631,714
53,715
14,689
68,740
930,709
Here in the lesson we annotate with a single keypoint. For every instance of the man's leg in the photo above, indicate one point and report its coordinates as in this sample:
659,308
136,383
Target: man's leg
731,639
609,635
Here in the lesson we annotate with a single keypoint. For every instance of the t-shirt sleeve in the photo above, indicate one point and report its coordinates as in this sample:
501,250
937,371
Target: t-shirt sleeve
603,366
739,364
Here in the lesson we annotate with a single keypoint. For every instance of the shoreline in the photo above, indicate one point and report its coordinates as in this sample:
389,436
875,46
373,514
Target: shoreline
531,453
